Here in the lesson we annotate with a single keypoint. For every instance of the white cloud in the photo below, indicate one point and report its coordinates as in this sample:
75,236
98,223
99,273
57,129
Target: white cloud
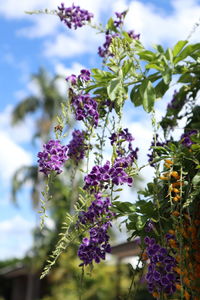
62,71
12,156
16,237
19,133
157,27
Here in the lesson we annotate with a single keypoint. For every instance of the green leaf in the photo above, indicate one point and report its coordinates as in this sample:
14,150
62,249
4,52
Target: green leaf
186,78
147,55
187,51
161,89
154,66
101,75
127,65
113,88
110,25
196,179
147,93
135,96
178,47
167,76
169,55
125,207
159,48
141,221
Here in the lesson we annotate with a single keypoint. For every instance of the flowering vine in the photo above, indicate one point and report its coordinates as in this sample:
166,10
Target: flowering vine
167,209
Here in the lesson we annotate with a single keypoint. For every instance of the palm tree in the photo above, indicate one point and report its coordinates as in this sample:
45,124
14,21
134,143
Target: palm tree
44,109
47,105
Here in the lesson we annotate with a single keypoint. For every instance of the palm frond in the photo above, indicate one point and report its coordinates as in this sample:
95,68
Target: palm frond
28,105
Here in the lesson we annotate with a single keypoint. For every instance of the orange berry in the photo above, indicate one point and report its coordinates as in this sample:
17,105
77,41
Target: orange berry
164,178
187,295
167,166
169,162
186,281
176,191
155,294
175,174
178,183
144,256
176,199
171,231
175,213
178,286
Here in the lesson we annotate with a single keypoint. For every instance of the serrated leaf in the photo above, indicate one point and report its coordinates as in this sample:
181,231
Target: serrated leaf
147,93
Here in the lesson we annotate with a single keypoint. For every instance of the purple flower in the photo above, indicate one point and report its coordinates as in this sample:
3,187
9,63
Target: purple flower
103,176
72,79
85,107
120,18
74,16
53,157
77,146
149,226
120,139
161,276
85,75
134,36
104,50
185,138
174,102
153,144
97,217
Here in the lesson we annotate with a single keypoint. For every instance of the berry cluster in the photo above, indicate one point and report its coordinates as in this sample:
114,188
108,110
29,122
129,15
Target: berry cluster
98,217
53,157
161,277
74,16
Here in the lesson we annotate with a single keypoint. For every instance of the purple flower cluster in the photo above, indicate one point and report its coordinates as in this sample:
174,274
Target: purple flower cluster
153,144
98,216
53,157
119,138
104,50
133,35
120,18
98,211
74,16
161,276
173,104
101,177
77,146
186,138
149,226
85,108
84,77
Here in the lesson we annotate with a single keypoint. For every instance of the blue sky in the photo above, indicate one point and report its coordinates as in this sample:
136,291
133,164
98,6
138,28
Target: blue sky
28,42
